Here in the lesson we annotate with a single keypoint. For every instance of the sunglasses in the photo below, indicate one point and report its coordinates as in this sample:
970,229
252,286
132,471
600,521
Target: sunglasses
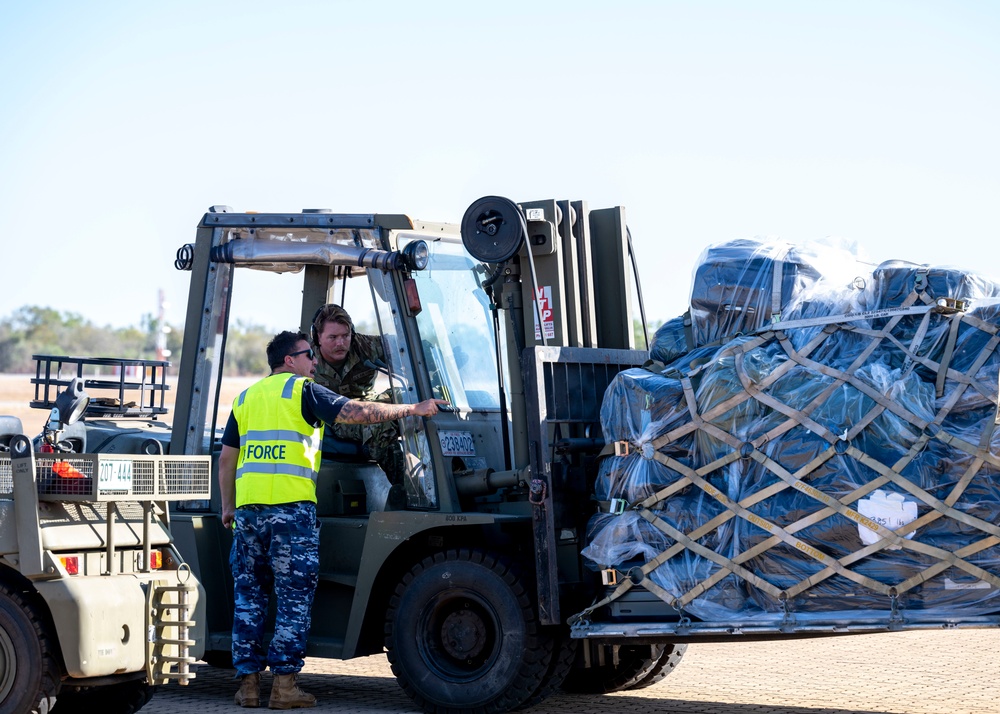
309,352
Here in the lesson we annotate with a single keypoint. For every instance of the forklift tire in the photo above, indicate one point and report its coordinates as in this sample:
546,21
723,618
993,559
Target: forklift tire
669,658
462,633
122,698
563,657
638,666
29,668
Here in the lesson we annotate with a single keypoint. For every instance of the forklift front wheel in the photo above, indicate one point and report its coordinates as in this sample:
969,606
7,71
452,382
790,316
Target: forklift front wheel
462,634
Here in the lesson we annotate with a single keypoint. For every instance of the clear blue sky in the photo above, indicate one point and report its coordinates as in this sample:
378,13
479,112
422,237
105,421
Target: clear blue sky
121,122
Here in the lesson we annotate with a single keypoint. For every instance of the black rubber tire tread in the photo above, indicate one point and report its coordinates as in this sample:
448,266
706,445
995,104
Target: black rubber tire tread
220,659
664,665
121,698
498,586
563,657
635,662
37,670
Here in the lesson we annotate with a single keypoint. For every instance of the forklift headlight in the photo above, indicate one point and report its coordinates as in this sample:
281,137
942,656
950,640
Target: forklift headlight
416,254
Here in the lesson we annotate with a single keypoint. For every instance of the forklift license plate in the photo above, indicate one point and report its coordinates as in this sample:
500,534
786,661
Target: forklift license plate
457,443
115,476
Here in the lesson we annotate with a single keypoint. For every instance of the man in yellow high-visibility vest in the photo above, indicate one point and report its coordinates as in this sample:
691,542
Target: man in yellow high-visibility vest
270,459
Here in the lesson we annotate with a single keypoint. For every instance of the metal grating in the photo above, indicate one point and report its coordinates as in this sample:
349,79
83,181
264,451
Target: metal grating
185,477
99,477
6,477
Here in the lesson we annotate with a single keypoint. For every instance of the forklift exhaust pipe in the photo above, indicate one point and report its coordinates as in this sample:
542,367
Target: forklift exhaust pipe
249,252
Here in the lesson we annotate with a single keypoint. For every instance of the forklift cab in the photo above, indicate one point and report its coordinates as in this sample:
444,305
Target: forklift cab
411,285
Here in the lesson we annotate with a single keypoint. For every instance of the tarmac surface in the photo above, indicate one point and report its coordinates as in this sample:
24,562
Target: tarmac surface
939,672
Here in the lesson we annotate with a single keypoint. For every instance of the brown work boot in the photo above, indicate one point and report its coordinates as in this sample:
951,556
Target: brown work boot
249,693
285,694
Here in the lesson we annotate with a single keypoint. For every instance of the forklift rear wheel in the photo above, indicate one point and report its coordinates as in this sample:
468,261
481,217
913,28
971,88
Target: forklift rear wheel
462,633
29,671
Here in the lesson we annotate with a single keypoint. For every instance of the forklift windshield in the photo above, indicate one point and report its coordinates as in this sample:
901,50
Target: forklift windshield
456,329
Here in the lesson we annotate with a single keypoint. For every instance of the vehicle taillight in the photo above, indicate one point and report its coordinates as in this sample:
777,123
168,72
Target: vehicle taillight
155,560
71,563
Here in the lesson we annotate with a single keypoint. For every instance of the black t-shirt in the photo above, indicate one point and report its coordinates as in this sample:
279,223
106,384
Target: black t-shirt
319,404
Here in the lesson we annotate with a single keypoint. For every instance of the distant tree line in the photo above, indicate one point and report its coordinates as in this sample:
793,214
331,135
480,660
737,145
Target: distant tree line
651,327
32,330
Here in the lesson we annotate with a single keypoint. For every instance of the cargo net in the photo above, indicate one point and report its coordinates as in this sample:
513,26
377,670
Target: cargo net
840,462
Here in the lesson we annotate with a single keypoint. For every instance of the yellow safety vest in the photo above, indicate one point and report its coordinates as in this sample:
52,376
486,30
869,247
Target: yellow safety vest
279,452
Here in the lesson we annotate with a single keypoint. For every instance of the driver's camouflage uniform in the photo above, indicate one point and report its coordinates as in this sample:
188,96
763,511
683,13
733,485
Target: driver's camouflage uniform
355,379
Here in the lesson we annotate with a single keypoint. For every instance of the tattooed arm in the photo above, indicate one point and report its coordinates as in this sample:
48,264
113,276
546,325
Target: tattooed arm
320,403
358,412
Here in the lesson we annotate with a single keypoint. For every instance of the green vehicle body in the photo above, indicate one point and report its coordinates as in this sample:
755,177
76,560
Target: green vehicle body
479,500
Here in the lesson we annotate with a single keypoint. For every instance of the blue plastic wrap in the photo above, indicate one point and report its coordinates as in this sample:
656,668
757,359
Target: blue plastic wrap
737,286
896,281
640,407
830,420
616,539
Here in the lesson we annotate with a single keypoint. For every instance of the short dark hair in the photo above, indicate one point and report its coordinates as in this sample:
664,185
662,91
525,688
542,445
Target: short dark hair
282,345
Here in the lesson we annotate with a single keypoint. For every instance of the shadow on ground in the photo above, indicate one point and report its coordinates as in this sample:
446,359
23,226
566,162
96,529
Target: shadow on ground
213,690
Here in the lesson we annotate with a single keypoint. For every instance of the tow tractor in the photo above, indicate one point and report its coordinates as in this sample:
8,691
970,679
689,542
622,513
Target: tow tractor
97,606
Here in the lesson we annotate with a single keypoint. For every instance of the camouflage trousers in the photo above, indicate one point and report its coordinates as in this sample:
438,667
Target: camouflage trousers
380,442
273,547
